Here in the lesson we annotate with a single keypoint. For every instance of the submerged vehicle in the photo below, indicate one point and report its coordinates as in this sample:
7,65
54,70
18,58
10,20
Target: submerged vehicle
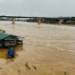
7,40
11,52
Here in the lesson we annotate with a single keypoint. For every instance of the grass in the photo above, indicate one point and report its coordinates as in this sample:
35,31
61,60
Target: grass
26,64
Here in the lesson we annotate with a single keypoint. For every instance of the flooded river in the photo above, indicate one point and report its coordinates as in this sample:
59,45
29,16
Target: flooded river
47,50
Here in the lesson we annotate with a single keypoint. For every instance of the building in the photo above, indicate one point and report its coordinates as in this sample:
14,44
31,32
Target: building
7,40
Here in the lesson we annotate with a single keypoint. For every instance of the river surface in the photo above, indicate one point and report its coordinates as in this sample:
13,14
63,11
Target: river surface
47,50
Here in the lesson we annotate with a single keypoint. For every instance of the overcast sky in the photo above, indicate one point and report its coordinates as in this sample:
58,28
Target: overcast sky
50,8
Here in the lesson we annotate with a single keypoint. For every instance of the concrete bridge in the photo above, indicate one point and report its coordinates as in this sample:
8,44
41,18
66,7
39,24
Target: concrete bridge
60,19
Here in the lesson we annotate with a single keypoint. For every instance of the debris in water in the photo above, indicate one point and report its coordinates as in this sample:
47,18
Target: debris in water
65,73
0,68
27,65
34,67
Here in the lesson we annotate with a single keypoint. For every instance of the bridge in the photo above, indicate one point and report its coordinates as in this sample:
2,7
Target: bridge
60,19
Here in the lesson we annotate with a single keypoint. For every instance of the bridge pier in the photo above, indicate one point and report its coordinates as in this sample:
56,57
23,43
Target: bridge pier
60,21
39,21
13,20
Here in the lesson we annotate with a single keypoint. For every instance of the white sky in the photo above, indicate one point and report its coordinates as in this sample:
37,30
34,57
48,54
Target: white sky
48,8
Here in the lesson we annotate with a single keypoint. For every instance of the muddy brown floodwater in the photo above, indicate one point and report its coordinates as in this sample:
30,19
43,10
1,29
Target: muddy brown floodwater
4,52
47,50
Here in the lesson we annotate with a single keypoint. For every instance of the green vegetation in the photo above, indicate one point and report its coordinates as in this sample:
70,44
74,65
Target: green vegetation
72,18
52,20
32,20
45,20
4,19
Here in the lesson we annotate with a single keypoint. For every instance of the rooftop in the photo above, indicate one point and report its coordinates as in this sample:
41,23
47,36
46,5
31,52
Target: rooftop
3,35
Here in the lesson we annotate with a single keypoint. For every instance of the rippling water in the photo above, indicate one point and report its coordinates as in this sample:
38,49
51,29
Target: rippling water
50,48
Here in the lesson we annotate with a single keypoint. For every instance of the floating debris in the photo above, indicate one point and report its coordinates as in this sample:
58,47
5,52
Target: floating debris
0,67
34,67
27,65
65,73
